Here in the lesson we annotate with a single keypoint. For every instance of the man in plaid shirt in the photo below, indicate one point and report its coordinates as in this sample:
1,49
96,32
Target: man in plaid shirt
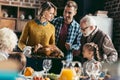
68,32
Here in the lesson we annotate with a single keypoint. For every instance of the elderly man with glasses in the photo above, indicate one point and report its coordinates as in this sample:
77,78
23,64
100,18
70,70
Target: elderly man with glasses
91,33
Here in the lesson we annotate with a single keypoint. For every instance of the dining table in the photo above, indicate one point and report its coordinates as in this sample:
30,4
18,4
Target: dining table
38,66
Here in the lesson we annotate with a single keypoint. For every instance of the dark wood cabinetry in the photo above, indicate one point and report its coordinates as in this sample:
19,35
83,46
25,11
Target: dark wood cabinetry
27,12
9,11
15,17
20,25
10,23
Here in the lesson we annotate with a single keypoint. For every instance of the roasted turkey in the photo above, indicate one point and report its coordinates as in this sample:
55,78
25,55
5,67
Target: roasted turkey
49,51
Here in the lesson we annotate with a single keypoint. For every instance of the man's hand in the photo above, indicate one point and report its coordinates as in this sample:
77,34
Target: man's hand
76,52
67,45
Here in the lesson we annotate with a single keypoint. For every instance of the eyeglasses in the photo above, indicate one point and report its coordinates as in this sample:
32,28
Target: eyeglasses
83,29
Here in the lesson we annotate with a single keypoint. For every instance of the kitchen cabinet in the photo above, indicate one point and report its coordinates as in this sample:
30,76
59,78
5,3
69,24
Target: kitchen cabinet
10,23
15,17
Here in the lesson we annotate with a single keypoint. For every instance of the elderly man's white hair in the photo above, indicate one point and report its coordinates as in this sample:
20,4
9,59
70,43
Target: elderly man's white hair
88,20
8,39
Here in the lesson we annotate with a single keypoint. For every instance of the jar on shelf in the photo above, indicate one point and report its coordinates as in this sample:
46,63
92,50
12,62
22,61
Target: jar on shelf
29,17
22,16
5,14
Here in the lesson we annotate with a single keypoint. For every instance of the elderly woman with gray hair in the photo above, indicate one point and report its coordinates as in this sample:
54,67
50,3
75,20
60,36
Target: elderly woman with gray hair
8,41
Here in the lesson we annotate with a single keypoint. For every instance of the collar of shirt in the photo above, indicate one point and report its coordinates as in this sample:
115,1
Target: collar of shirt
93,33
92,60
73,22
39,23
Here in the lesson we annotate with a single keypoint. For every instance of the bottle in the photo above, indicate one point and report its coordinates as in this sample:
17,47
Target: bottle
67,72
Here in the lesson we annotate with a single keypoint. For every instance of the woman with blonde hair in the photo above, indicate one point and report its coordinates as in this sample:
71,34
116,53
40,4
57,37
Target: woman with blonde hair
39,31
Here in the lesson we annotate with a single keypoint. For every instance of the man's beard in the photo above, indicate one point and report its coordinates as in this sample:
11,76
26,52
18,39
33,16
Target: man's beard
68,20
87,34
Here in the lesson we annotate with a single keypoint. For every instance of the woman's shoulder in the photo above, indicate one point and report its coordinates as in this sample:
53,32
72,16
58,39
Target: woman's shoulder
51,25
31,21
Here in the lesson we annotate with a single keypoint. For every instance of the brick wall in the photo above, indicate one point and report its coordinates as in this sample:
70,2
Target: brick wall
25,3
35,3
113,6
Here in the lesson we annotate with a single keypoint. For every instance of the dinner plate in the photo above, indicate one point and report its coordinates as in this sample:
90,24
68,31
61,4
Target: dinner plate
29,77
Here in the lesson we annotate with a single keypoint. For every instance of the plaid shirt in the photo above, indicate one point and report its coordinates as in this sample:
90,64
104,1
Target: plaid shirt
74,32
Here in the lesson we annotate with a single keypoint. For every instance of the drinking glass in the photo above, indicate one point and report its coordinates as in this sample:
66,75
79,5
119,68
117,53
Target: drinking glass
47,64
94,70
88,69
78,69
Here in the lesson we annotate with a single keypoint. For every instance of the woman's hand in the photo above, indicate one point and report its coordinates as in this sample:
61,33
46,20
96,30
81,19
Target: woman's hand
37,47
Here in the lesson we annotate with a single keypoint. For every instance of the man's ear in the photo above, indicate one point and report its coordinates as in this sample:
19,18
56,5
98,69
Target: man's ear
91,27
75,12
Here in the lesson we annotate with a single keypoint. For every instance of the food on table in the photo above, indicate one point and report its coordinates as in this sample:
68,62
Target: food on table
28,71
40,78
52,76
47,78
50,51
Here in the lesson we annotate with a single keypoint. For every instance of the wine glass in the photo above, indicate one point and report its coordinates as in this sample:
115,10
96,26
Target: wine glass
88,69
47,64
78,69
94,69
